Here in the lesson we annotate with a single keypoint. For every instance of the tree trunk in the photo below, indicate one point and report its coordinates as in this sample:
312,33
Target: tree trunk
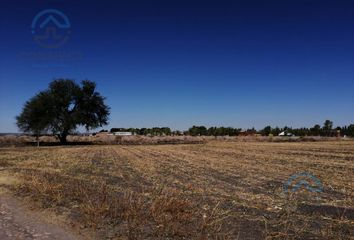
62,138
37,139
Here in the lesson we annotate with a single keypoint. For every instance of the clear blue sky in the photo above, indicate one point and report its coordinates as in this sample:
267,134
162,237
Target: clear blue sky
178,63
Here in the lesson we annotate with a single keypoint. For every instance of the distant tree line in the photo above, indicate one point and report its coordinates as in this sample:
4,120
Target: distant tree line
213,131
326,129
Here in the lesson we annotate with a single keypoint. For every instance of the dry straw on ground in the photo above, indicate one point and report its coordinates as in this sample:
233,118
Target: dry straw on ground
216,190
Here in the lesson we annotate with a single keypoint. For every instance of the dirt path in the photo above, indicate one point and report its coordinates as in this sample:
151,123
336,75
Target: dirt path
18,222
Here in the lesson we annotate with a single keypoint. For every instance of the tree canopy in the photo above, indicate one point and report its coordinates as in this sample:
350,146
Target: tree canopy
63,107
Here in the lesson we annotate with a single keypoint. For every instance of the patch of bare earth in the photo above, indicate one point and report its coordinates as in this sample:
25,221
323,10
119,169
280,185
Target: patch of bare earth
17,221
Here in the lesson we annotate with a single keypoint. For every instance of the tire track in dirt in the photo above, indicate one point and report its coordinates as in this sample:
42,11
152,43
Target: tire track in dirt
15,223
18,222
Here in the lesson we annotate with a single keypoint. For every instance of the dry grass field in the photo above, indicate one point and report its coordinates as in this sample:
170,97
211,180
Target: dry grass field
216,190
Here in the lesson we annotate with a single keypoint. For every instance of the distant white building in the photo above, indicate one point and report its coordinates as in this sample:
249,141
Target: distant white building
284,133
122,133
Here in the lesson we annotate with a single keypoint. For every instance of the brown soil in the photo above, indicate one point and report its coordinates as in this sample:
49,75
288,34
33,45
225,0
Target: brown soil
17,221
